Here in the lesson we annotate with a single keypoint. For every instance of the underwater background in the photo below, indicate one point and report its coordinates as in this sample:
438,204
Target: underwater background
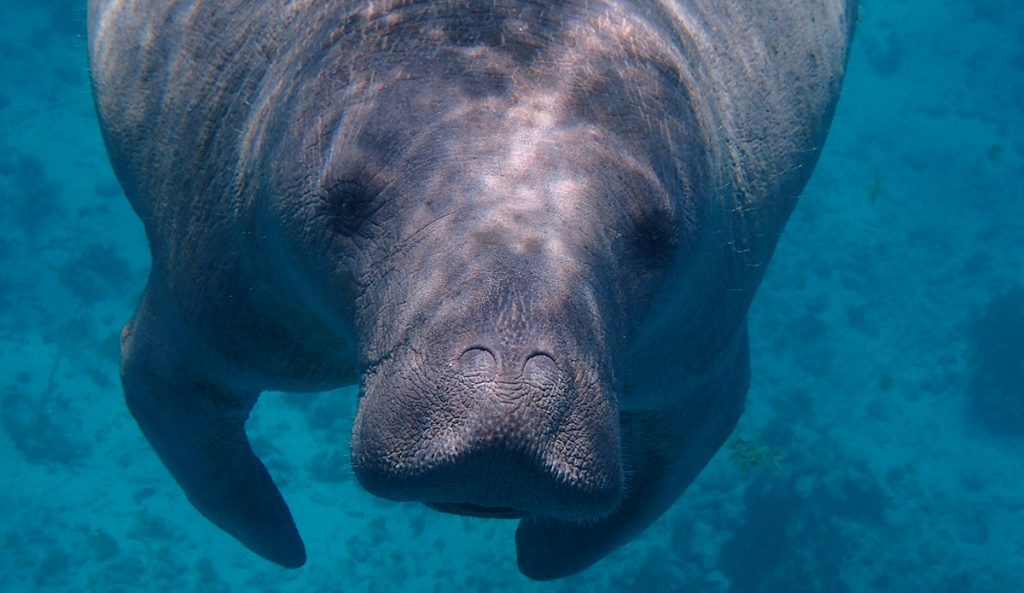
882,448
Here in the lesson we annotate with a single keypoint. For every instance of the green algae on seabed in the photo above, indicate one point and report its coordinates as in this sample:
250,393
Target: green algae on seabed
749,455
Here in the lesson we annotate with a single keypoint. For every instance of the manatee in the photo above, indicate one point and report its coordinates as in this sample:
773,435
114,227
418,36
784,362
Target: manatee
530,232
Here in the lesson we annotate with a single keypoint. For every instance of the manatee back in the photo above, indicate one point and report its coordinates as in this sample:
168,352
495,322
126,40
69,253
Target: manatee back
771,72
176,81
173,83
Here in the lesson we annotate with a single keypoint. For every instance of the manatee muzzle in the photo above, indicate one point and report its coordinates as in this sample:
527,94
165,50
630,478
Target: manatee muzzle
492,430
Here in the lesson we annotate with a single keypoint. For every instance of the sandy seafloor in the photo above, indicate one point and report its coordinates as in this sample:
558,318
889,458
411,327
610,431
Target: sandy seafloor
865,345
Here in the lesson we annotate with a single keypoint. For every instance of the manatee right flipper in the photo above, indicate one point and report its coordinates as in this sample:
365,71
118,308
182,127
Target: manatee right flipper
197,427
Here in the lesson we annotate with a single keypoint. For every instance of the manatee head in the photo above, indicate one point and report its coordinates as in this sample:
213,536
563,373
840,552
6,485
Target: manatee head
523,249
489,387
498,240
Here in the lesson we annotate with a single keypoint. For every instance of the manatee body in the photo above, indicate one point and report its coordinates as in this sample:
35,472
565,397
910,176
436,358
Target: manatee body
529,230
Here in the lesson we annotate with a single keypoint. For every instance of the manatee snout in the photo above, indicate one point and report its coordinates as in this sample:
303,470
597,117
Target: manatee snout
505,421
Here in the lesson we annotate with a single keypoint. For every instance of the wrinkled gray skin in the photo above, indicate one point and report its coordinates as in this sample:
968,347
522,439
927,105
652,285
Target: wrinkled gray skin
531,231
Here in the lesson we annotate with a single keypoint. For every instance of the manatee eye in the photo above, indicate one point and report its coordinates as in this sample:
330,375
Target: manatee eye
348,203
655,237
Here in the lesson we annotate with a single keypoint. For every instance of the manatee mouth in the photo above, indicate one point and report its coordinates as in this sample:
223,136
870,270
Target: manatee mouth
476,510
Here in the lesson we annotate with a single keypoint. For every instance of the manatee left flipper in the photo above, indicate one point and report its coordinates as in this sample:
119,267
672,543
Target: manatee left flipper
667,449
197,427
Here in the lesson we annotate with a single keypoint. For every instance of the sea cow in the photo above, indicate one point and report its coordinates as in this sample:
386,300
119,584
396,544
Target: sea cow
530,232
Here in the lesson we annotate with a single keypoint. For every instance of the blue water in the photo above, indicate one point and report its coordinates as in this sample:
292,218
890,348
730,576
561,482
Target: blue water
882,449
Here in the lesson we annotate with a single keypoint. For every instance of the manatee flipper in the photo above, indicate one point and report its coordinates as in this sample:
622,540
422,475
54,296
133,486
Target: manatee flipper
669,448
197,427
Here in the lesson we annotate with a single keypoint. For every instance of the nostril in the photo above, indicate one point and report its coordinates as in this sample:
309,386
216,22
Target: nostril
477,363
541,368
